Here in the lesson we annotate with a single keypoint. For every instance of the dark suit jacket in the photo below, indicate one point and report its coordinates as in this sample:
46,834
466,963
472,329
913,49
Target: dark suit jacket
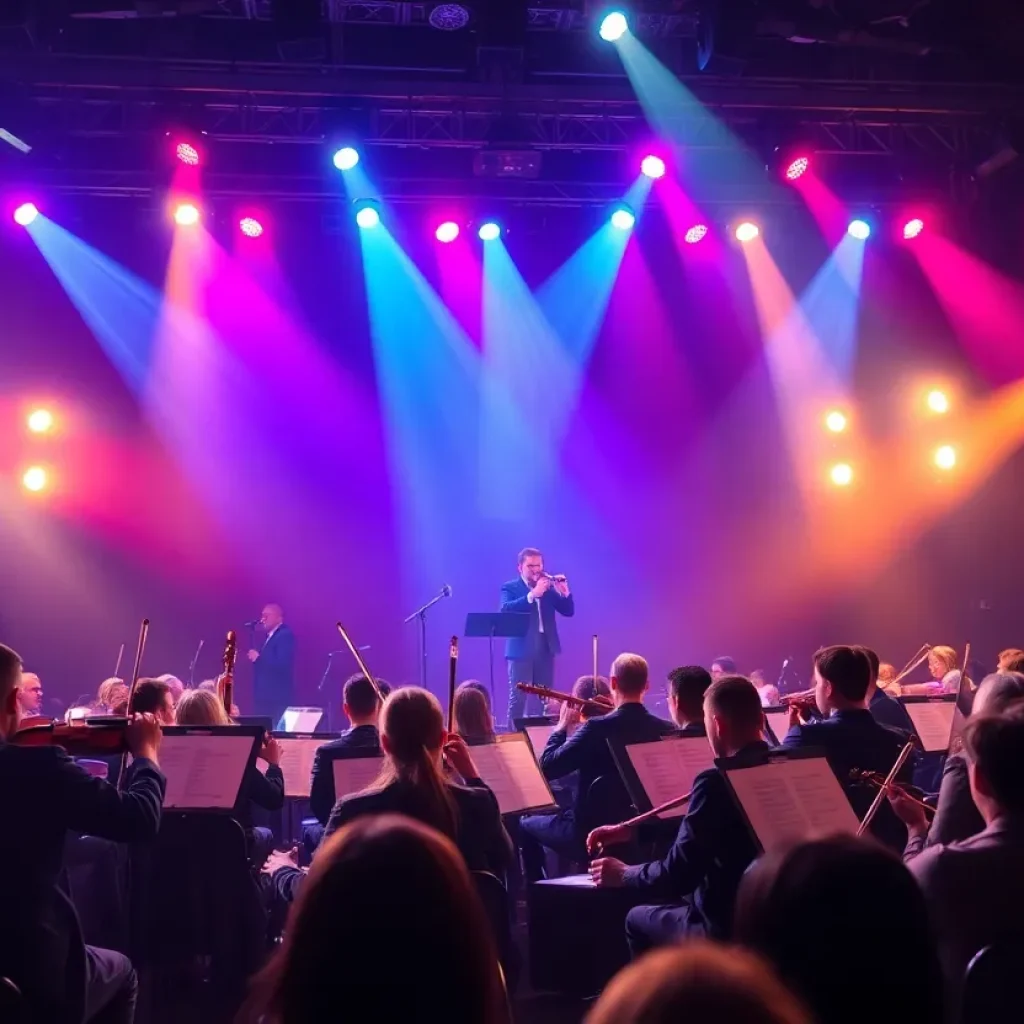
711,851
43,794
854,740
587,750
956,816
266,791
274,673
514,599
888,711
481,837
321,781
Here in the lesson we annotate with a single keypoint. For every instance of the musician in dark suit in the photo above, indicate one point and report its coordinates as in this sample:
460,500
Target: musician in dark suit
531,658
273,666
587,751
850,737
43,794
884,709
362,708
687,686
701,873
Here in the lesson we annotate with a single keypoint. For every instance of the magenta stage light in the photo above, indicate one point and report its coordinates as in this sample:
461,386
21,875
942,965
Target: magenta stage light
797,168
187,154
25,214
447,232
913,228
652,166
695,234
250,227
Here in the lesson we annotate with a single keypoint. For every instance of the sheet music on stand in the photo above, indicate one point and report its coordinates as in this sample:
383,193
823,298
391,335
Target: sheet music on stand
205,767
513,775
352,774
538,731
303,720
788,796
777,720
932,718
662,769
297,755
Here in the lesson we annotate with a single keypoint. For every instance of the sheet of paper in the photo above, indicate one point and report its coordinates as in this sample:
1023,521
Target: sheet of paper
351,774
778,720
933,721
297,755
666,769
573,881
302,719
539,736
513,775
792,799
203,772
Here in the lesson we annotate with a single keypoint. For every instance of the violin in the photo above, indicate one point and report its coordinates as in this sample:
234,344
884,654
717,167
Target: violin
91,737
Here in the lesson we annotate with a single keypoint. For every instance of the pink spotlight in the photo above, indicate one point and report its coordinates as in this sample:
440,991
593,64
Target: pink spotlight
695,234
25,214
653,166
187,154
797,168
913,228
447,232
250,227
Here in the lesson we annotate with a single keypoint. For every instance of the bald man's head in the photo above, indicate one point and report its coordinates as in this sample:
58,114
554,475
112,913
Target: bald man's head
272,617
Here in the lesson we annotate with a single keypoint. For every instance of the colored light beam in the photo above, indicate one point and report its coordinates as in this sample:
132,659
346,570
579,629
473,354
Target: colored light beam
984,306
827,210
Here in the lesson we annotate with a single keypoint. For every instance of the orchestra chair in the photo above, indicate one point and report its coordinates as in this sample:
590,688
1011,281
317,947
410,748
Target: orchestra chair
96,872
992,982
494,898
199,922
606,802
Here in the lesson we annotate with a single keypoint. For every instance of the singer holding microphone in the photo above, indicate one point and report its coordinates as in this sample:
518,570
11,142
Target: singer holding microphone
273,665
531,659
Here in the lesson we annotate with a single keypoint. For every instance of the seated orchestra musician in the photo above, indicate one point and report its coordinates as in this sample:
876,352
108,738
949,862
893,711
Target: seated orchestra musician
474,721
885,709
30,696
587,752
849,736
154,697
698,878
362,708
43,794
768,692
686,689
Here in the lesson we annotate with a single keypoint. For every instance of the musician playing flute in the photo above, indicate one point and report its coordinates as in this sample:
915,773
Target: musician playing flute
531,658
701,873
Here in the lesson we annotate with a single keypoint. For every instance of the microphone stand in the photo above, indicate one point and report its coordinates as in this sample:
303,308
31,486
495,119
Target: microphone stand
320,686
421,614
192,667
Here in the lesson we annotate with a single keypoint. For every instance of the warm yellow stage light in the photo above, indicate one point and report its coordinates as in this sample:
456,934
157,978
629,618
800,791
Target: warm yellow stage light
945,457
836,421
938,401
40,421
34,478
842,474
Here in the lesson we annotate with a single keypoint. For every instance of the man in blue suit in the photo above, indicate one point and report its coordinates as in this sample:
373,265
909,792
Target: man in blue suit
273,666
531,658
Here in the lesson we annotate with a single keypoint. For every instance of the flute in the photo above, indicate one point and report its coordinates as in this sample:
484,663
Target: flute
566,698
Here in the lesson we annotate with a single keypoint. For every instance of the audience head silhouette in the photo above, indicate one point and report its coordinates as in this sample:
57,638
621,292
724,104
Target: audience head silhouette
993,743
997,692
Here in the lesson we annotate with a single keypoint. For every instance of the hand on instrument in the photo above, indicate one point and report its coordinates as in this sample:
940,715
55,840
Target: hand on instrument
281,859
457,753
608,873
562,587
608,835
143,736
542,586
568,717
271,750
795,718
910,813
253,655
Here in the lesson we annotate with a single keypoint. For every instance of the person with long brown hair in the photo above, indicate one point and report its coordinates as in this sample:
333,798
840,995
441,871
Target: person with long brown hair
473,719
413,783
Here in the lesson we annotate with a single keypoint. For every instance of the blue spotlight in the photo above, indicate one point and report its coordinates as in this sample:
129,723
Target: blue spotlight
489,231
859,229
346,158
367,213
613,26
623,217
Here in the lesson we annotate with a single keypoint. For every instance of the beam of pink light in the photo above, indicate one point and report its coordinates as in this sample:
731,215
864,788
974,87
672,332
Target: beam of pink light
828,211
460,273
683,214
985,307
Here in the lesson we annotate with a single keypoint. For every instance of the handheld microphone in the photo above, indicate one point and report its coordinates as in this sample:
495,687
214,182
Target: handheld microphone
446,591
254,622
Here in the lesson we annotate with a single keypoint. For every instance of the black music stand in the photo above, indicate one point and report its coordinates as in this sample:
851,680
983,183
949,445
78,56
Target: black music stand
492,624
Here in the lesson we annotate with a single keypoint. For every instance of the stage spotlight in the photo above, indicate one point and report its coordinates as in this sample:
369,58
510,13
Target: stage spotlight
367,213
652,166
797,168
747,231
25,214
250,227
912,228
623,217
695,234
186,215
938,401
34,478
187,154
841,474
835,421
346,158
613,26
40,421
945,456
489,231
859,229
447,231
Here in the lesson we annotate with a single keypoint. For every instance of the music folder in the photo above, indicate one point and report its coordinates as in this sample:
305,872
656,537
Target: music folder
301,719
538,730
788,796
353,769
932,718
776,720
657,771
511,772
205,766
297,753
